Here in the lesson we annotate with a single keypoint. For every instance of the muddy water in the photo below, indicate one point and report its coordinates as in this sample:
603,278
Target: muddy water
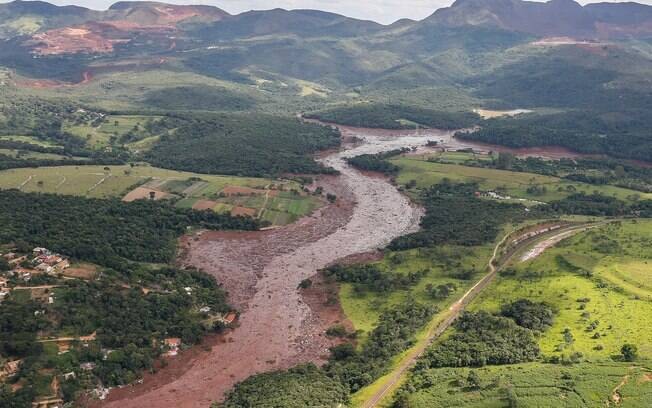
262,270
448,141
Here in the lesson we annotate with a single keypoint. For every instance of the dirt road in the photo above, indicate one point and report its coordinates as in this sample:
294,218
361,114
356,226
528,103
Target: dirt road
495,264
261,271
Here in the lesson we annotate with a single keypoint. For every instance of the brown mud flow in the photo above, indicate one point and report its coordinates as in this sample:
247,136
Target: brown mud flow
262,270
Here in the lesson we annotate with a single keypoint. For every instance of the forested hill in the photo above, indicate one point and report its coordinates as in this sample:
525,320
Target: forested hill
107,232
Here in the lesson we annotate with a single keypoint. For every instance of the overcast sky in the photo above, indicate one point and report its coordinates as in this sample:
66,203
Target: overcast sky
383,11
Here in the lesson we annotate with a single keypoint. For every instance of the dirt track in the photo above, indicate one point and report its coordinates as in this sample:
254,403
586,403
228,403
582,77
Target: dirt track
262,270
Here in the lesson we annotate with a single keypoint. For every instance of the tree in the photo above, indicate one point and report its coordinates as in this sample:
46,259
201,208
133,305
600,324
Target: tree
474,380
629,352
505,160
4,265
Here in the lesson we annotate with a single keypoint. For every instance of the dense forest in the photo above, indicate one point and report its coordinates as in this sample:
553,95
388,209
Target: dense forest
299,387
482,339
106,232
244,145
377,162
624,135
348,367
129,326
10,162
198,98
395,117
454,215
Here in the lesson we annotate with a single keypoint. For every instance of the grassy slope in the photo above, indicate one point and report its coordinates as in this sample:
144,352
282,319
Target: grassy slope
362,310
427,173
80,179
622,316
538,385
95,181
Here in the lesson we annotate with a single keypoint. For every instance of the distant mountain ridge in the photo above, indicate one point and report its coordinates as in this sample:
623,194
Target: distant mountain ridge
553,18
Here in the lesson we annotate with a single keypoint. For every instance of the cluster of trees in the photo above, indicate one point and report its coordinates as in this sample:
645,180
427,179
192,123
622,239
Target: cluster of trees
347,371
104,231
600,205
394,333
10,162
537,316
299,387
594,204
377,162
373,277
390,117
246,145
129,323
624,135
198,98
454,215
591,171
482,339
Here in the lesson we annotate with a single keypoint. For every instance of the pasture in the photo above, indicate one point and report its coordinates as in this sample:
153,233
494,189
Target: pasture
537,385
514,184
598,281
106,133
277,201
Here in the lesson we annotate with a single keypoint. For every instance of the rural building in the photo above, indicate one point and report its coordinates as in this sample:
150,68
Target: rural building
44,268
61,266
9,256
16,261
172,344
87,366
10,368
230,317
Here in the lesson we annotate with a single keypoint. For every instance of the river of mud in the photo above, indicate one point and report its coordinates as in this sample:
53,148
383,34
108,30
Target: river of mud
262,270
279,326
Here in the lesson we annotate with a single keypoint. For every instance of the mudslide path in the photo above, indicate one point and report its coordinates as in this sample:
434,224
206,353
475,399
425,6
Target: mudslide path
261,271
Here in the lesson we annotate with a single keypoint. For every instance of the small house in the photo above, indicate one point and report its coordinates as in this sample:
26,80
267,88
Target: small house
44,268
230,317
172,344
61,266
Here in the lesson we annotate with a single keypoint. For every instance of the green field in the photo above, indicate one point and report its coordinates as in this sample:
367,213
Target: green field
514,183
28,139
364,307
83,180
110,129
537,385
24,155
574,271
189,188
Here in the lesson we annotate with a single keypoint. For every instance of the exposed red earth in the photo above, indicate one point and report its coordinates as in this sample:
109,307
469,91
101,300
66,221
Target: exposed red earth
280,325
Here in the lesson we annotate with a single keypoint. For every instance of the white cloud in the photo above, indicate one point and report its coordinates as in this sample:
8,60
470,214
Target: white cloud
384,11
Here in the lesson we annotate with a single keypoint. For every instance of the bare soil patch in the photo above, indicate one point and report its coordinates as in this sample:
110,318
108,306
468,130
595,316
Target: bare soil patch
244,211
141,193
279,325
81,271
204,205
246,191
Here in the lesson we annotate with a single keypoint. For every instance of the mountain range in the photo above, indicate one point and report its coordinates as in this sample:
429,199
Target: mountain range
124,20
